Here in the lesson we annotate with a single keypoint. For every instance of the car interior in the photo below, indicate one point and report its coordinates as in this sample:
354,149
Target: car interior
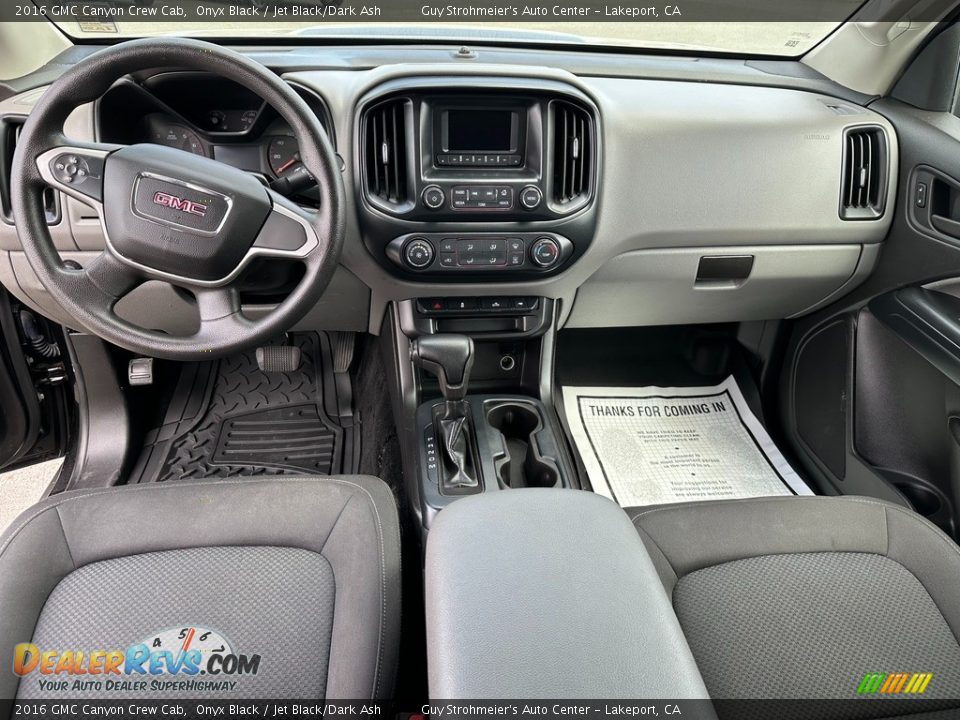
476,363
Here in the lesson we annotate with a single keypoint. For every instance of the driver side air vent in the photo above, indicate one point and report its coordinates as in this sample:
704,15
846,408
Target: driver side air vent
10,128
573,155
864,182
387,153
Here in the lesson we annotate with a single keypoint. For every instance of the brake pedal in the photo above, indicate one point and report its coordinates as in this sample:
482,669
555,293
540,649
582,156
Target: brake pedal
278,358
140,371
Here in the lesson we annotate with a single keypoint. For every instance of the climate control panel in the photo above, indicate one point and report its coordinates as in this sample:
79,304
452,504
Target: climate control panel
479,252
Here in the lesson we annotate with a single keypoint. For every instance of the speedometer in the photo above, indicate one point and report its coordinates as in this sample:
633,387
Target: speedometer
283,154
179,137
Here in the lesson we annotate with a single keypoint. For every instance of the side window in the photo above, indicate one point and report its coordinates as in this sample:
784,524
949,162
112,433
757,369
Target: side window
930,82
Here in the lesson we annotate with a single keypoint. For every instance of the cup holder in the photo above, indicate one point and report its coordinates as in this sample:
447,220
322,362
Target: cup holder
522,465
924,500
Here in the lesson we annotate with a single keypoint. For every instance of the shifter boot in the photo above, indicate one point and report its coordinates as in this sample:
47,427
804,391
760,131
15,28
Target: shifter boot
458,469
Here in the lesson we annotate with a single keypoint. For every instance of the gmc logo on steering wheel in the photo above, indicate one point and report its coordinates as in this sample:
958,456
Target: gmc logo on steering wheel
182,204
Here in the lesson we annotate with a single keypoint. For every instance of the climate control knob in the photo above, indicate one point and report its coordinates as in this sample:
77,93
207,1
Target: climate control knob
418,253
545,252
433,197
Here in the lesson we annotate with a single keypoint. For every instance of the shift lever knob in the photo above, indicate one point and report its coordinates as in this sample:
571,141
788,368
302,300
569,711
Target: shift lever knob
449,357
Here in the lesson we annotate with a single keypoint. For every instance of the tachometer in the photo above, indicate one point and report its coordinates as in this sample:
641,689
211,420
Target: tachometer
179,137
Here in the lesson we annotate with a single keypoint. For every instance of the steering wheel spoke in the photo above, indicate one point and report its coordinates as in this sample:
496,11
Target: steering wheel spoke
215,304
289,231
112,276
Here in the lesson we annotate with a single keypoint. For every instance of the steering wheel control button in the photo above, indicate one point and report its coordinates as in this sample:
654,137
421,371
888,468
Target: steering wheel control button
545,252
418,253
531,197
433,197
82,173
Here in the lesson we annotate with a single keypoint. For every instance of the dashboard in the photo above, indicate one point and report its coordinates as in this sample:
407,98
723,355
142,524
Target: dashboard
665,193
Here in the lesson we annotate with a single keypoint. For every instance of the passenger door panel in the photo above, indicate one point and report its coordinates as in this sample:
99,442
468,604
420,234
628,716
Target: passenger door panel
871,386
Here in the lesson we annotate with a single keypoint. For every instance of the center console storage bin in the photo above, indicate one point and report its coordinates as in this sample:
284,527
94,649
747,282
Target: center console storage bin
549,593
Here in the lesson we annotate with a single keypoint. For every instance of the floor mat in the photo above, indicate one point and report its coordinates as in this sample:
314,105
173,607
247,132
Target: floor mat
229,419
19,489
652,445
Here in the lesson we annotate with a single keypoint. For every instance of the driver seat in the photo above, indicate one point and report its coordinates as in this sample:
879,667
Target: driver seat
303,573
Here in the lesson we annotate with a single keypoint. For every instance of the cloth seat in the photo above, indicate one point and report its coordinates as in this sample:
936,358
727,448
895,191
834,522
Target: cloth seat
298,579
803,597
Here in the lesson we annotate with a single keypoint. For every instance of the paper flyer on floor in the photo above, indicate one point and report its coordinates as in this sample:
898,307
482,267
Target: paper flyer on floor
653,445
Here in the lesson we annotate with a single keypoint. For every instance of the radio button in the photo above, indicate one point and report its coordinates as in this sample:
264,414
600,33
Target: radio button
433,197
531,197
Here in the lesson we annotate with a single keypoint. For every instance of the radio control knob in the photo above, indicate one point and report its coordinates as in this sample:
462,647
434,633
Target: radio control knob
418,253
545,252
531,197
433,197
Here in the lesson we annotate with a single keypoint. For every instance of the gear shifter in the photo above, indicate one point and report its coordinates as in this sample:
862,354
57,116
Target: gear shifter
450,358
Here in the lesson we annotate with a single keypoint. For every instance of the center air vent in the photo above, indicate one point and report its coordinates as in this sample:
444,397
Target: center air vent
387,155
573,155
864,183
10,128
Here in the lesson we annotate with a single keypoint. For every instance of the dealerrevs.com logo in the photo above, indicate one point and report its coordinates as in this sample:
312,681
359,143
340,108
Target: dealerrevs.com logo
169,660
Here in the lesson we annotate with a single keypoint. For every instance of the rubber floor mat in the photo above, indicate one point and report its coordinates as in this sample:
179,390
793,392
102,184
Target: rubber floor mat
229,419
292,437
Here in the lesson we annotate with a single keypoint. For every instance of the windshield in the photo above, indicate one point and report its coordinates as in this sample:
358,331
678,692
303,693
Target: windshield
785,39
740,27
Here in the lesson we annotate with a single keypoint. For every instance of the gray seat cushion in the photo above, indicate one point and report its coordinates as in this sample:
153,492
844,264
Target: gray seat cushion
801,597
299,575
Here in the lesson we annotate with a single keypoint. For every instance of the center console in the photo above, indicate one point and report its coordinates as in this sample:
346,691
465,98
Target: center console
481,443
514,578
495,178
477,180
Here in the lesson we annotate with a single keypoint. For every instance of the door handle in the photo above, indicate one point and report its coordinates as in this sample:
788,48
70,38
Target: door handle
946,225
927,321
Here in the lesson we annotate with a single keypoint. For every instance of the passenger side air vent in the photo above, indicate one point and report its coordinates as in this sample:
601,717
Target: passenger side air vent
10,128
573,155
387,156
864,183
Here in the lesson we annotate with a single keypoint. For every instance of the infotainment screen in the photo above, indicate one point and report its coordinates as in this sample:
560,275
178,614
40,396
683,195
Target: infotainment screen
478,130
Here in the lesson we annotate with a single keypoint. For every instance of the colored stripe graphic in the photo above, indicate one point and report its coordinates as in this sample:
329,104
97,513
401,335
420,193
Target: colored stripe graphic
894,683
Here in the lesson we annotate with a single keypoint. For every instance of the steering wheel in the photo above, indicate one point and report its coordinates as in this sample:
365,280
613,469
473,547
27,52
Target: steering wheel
172,216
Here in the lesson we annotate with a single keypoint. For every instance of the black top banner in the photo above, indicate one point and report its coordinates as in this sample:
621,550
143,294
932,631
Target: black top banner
512,12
